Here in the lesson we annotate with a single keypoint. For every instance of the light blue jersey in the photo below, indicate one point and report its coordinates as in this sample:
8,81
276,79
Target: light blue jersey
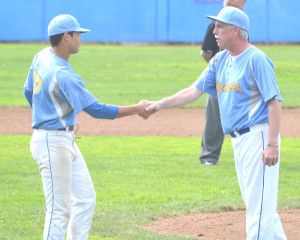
56,93
243,84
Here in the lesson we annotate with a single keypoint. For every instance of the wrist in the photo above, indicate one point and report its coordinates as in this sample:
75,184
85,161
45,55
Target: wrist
158,105
272,145
137,108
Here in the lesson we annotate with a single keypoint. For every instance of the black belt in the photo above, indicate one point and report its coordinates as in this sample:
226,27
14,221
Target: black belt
239,132
71,128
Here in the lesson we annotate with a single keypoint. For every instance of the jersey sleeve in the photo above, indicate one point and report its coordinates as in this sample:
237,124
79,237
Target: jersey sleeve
103,111
73,91
206,82
209,43
264,77
28,87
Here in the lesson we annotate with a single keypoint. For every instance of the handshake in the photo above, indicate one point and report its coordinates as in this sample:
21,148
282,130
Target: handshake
146,108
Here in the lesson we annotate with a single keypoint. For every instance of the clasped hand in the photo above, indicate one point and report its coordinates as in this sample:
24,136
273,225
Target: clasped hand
146,109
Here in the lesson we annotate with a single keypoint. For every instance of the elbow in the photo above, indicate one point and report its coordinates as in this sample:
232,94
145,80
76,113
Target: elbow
206,55
202,54
274,101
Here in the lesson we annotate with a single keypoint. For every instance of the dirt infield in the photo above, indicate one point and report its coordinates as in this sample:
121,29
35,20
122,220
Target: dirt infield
221,226
173,122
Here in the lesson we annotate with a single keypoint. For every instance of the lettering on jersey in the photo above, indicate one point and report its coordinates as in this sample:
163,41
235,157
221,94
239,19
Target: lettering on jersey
37,82
228,87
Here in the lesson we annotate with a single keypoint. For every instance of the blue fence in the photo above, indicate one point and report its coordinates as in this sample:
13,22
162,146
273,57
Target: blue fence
145,20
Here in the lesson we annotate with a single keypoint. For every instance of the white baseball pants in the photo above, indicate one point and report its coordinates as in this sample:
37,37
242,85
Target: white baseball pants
258,184
68,188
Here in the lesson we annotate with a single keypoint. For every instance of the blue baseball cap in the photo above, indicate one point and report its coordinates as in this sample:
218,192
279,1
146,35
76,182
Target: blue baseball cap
233,16
64,23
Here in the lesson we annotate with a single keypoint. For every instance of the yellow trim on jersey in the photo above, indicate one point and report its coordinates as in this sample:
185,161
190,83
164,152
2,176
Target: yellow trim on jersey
37,82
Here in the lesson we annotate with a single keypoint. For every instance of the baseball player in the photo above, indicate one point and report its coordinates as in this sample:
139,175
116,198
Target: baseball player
56,95
213,135
242,78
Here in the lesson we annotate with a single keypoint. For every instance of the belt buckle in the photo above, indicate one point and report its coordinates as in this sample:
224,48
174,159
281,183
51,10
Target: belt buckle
239,132
69,128
232,134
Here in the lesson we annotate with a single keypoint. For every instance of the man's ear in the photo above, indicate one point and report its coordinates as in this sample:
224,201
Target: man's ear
236,30
66,36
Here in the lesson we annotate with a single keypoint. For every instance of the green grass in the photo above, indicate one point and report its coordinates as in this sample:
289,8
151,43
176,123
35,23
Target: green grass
137,180
123,75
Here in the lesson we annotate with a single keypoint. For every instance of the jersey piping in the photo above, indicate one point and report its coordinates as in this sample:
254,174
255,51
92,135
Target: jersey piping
62,108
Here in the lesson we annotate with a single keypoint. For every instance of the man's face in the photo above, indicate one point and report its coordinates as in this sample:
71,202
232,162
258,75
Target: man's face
74,42
237,3
223,34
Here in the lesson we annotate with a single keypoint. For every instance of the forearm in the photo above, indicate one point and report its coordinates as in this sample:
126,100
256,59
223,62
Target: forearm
102,111
274,121
106,111
181,98
270,155
128,110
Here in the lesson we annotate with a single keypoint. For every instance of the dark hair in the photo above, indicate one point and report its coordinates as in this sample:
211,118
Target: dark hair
55,39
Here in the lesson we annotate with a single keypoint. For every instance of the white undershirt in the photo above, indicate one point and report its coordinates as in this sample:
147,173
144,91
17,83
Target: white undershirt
234,57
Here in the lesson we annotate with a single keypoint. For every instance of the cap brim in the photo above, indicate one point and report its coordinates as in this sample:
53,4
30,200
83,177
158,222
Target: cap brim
82,30
215,18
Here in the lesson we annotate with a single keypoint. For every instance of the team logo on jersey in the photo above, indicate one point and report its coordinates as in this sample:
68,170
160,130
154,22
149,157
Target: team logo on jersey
37,82
228,87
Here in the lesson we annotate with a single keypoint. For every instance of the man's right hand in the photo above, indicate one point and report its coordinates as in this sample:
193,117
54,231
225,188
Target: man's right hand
142,106
153,107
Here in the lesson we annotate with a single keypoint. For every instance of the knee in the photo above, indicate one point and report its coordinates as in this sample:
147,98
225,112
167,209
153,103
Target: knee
90,200
61,208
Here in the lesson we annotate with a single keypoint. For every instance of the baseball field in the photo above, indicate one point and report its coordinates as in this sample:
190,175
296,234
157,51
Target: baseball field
147,176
